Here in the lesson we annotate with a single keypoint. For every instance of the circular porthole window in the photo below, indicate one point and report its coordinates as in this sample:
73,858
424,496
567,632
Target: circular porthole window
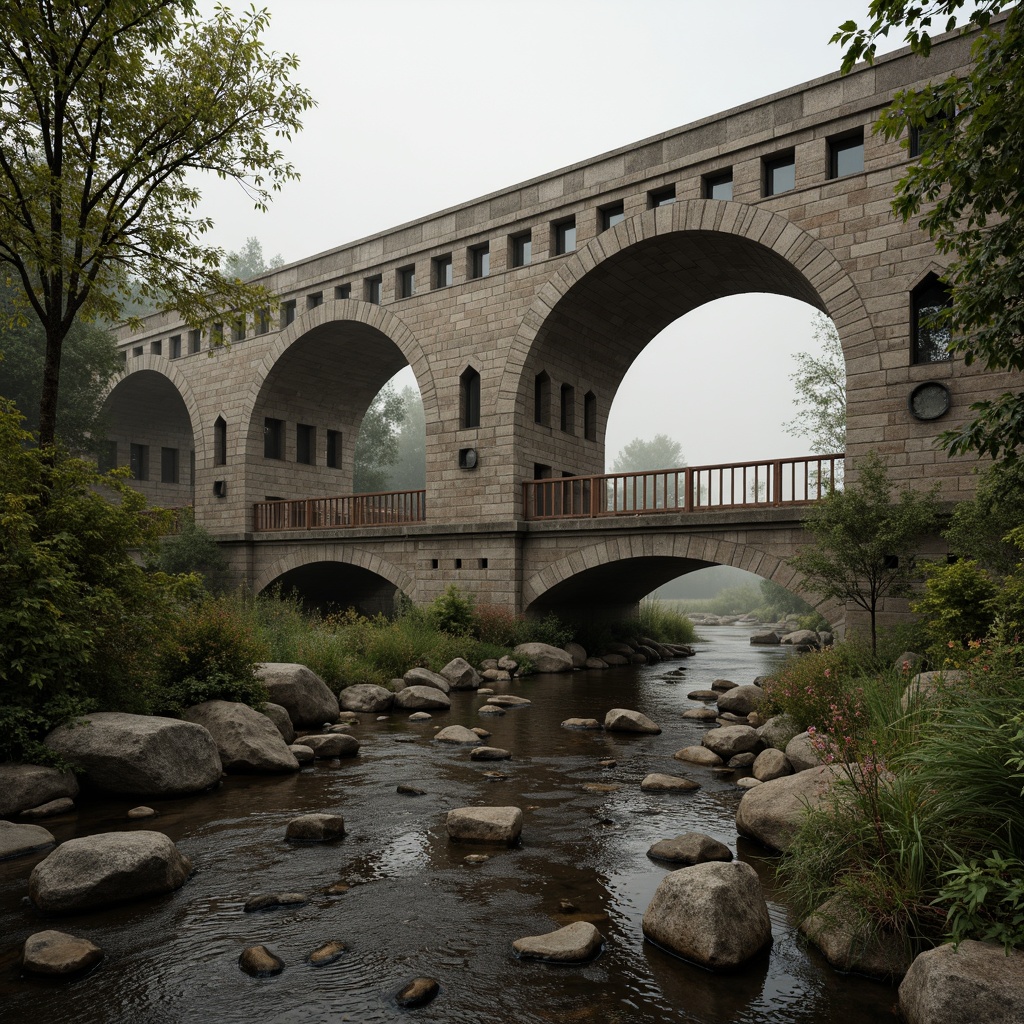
929,401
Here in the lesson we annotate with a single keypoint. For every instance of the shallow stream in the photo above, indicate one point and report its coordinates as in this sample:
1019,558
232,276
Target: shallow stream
414,906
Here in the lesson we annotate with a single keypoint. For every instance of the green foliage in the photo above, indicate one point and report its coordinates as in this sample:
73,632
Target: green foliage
193,550
864,541
663,623
985,901
110,110
958,603
964,191
820,384
809,686
249,262
979,528
409,473
660,452
452,612
376,448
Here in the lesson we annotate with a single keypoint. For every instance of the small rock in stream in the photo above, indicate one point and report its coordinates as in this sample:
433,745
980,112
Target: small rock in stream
338,889
407,790
272,900
259,962
417,992
137,813
327,953
476,858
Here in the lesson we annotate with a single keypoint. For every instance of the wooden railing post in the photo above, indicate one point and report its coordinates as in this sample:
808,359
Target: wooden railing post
777,482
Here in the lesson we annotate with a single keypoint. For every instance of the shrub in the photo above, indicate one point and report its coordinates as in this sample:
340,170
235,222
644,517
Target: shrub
958,603
193,550
986,901
452,612
808,687
664,624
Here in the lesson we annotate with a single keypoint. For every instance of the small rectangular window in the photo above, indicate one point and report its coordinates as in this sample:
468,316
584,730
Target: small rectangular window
155,348
195,341
480,260
565,236
238,329
372,289
216,335
522,249
590,416
273,438
220,442
343,291
124,357
138,456
661,197
305,444
106,457
262,321
287,313
846,154
567,408
168,465
443,271
718,186
779,174
542,399
176,346
314,300
334,449
406,282
137,351
609,216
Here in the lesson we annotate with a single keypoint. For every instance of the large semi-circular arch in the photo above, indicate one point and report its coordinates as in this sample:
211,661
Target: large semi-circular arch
345,555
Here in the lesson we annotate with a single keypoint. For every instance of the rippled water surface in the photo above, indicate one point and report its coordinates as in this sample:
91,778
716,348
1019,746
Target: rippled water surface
414,906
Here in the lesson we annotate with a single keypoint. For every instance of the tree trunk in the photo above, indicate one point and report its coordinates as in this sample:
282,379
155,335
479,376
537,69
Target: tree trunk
50,390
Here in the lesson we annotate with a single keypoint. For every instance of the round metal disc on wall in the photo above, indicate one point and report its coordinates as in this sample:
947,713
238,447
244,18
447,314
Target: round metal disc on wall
929,401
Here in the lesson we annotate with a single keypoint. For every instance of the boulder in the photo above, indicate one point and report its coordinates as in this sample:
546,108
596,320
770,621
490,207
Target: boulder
768,638
698,755
140,813
417,992
18,840
658,783
544,657
722,685
623,720
489,754
509,700
461,675
456,734
909,662
730,740
741,700
801,638
366,698
748,783
614,660
31,785
744,760
690,848
581,723
701,714
300,691
596,663
496,675
713,914
771,764
490,709
926,686
708,695
247,741
976,983
327,953
424,677
507,664
485,824
302,753
139,754
49,810
274,900
280,717
58,953
572,944
332,744
851,942
577,653
101,870
801,753
771,813
778,731
315,828
259,962
421,698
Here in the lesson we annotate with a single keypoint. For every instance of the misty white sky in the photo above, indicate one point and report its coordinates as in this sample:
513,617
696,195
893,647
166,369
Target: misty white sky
427,103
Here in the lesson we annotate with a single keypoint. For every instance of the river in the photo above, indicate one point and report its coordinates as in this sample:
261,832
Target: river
415,907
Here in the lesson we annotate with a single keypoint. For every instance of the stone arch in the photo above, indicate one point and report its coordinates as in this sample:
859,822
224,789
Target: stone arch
359,558
786,256
663,557
339,311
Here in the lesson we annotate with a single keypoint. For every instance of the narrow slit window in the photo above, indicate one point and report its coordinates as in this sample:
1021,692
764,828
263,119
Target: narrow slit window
470,397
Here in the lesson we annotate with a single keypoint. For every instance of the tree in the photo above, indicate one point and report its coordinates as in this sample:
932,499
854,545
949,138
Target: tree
248,262
863,548
967,183
90,363
409,472
377,444
820,383
979,529
660,452
108,108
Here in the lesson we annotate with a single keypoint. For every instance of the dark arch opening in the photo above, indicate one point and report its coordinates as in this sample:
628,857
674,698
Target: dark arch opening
333,586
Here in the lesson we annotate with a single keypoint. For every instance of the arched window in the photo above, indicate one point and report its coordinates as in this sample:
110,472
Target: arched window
590,416
542,399
567,409
220,442
470,397
929,338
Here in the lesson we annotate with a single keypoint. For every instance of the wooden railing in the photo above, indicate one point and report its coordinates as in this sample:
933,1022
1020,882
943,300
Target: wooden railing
769,483
390,508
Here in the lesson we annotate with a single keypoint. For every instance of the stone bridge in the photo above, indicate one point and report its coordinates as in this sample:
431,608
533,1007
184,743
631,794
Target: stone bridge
520,313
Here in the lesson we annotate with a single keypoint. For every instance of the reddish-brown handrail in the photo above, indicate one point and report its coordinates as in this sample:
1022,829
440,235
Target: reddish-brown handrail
768,483
386,508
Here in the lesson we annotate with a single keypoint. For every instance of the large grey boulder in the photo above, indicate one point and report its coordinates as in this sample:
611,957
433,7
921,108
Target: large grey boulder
545,658
457,734
977,983
247,741
572,944
730,740
577,653
315,828
657,782
771,813
690,848
424,677
101,870
778,731
461,675
699,755
624,720
19,840
771,764
332,744
852,942
57,953
280,717
713,914
300,691
139,754
802,753
801,638
768,638
366,699
485,824
927,686
31,785
422,698
741,700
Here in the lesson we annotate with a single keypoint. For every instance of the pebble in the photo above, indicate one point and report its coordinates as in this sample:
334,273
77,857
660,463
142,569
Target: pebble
141,812
482,733
420,716
489,754
476,858
490,709
418,992
259,962
382,718
327,953
338,889
485,689
59,806
601,787
608,762
271,900
407,790
57,953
